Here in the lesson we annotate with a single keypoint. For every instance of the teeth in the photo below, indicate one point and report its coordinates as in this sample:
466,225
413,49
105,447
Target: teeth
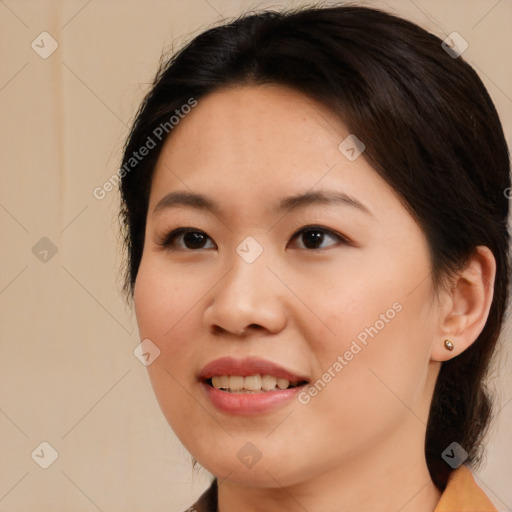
268,382
236,382
282,383
251,383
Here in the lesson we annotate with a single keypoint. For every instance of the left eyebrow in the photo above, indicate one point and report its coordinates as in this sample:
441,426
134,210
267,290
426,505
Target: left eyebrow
320,197
288,204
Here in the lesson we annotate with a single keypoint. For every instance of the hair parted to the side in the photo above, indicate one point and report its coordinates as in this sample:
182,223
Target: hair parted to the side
430,130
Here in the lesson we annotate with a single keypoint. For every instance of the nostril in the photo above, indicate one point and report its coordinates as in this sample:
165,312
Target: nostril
252,326
217,329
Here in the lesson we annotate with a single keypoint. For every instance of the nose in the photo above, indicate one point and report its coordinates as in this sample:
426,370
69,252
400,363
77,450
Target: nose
248,297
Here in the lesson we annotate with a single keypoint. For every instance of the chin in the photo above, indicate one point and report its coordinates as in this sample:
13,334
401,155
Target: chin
264,473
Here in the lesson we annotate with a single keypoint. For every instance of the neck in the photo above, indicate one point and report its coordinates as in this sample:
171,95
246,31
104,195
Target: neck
389,478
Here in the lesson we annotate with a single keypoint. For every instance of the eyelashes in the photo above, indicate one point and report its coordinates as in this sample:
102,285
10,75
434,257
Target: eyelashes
196,238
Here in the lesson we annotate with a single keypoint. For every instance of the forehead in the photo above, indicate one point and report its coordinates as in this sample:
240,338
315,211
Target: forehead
259,143
258,130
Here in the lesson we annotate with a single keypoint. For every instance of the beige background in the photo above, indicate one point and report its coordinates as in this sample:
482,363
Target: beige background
68,375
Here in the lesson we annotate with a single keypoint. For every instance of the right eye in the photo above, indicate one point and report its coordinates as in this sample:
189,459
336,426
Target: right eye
191,237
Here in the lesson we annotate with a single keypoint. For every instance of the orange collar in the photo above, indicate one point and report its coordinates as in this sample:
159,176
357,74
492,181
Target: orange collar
462,494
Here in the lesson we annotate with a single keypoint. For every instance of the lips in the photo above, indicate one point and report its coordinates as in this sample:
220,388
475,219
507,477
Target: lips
246,402
246,367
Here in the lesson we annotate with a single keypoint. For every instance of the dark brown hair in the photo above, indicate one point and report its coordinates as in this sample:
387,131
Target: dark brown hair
430,130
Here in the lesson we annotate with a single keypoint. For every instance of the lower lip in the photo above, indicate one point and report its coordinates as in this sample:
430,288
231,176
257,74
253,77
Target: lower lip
249,403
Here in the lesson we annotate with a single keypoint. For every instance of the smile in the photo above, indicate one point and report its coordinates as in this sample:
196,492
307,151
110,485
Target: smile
251,384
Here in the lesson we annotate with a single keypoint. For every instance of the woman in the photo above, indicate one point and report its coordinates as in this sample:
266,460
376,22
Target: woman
315,216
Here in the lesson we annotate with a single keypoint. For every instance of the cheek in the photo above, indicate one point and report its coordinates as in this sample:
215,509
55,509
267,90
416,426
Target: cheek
163,299
379,322
165,315
372,378
165,309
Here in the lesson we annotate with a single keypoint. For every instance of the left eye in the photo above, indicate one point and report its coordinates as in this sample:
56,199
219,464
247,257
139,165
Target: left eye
315,235
195,239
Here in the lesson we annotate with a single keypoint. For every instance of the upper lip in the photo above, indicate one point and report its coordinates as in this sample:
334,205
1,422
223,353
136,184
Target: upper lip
247,366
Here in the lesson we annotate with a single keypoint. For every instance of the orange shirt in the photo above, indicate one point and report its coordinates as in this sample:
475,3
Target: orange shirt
462,494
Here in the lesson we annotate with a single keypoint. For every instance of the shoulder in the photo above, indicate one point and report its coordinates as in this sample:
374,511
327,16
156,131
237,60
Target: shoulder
463,494
207,502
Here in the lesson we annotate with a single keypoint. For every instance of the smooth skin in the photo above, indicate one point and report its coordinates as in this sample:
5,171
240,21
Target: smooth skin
359,443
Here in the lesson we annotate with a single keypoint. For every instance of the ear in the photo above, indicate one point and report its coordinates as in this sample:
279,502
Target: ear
465,307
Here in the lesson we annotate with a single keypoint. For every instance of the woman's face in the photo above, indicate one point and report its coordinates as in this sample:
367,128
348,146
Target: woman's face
347,306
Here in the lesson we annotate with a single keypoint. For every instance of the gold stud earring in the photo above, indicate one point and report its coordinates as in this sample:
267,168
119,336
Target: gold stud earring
448,345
